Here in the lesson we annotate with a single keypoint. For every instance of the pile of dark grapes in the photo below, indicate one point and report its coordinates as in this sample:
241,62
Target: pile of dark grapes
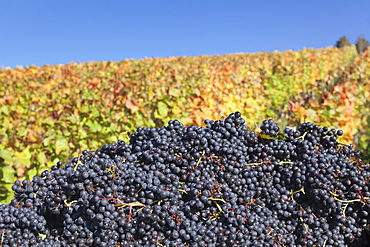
219,185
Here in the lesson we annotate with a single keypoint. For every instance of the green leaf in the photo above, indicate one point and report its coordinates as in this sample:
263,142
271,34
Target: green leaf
46,141
95,113
31,173
61,144
6,155
124,136
88,95
264,136
41,157
74,119
94,144
85,109
94,126
174,92
43,168
162,109
5,125
8,174
48,121
24,157
6,193
82,134
280,136
5,110
113,127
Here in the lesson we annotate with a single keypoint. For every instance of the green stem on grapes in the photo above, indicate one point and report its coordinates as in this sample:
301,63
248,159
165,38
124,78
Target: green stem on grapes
69,204
217,199
285,162
303,136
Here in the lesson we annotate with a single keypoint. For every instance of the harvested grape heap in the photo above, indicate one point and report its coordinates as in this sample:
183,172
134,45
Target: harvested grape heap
219,185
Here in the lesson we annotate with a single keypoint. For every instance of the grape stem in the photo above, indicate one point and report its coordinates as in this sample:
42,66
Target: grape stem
303,136
325,243
348,202
285,162
200,158
42,235
69,204
2,237
78,161
217,205
131,204
257,164
305,226
183,191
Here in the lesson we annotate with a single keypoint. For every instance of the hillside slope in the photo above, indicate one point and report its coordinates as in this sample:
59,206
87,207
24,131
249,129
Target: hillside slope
52,113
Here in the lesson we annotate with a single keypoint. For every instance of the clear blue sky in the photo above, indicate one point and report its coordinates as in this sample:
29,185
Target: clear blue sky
58,32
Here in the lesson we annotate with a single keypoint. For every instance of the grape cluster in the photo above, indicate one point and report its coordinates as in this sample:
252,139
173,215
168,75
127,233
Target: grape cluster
218,185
